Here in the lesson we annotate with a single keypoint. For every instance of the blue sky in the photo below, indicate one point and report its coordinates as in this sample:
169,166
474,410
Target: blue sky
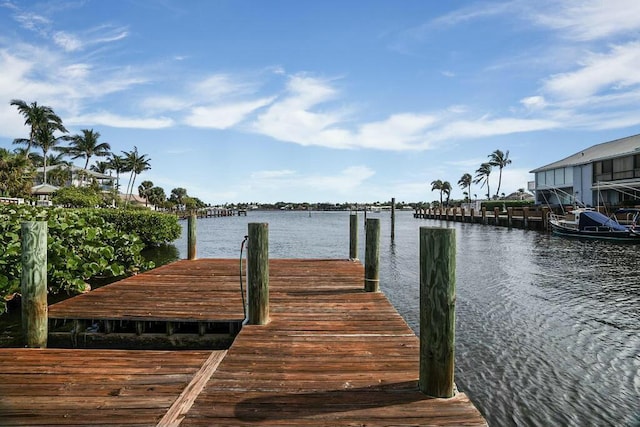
327,101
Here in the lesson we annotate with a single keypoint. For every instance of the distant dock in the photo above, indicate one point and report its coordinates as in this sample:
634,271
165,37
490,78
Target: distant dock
213,213
535,218
331,354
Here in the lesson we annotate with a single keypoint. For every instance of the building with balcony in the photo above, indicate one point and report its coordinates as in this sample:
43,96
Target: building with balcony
604,174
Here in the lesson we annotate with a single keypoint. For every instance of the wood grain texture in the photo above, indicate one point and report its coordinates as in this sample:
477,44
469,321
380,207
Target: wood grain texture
437,310
41,387
258,274
372,255
331,355
33,283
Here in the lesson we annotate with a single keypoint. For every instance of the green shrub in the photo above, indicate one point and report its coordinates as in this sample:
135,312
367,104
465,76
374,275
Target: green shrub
81,245
77,197
154,228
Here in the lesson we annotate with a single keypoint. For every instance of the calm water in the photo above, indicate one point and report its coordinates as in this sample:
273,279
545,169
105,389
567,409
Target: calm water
547,328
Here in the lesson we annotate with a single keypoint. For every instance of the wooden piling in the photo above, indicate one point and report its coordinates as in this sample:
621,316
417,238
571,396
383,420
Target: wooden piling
496,215
33,283
525,217
484,215
545,218
258,273
437,311
372,256
510,217
353,236
191,239
393,218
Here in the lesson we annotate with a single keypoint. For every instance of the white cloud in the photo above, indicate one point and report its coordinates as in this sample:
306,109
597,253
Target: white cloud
533,102
471,129
113,120
399,132
291,118
614,70
67,41
223,116
217,86
585,20
32,21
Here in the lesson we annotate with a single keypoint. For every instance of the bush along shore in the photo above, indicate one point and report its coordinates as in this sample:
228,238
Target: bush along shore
83,244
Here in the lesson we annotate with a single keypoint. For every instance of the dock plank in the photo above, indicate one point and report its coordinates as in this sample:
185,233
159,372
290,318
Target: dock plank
331,354
92,387
183,291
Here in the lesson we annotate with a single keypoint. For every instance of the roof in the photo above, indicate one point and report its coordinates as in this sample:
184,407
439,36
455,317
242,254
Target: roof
44,189
75,169
606,150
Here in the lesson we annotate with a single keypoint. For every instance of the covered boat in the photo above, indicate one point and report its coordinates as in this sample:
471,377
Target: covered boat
592,224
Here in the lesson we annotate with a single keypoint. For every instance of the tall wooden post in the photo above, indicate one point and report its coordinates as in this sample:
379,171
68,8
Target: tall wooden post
393,219
484,215
372,256
33,283
437,310
258,273
496,215
545,218
472,216
353,236
191,238
525,217
510,217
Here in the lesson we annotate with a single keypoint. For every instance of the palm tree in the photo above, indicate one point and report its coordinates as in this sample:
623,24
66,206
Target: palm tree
87,146
117,164
36,117
157,196
482,176
135,163
46,140
144,190
499,159
101,167
465,183
437,185
178,195
16,177
446,189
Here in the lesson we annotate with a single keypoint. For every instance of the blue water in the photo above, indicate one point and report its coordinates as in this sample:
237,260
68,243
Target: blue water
547,328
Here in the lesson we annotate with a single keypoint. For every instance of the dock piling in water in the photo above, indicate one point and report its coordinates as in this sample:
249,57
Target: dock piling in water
393,219
258,273
33,283
353,236
437,311
372,255
191,225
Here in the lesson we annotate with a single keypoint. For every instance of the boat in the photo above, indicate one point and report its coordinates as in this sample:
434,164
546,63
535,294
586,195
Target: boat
591,224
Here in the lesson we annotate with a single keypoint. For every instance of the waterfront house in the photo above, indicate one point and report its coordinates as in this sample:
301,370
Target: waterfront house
72,176
604,174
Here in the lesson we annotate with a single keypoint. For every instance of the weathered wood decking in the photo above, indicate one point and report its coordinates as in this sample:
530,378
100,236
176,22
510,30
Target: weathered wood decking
331,355
93,387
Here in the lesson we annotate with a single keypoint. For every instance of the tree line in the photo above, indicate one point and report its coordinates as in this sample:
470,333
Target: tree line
497,159
56,151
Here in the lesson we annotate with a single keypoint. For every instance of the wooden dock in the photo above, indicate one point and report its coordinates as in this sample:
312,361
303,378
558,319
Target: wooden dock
185,302
533,218
331,355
